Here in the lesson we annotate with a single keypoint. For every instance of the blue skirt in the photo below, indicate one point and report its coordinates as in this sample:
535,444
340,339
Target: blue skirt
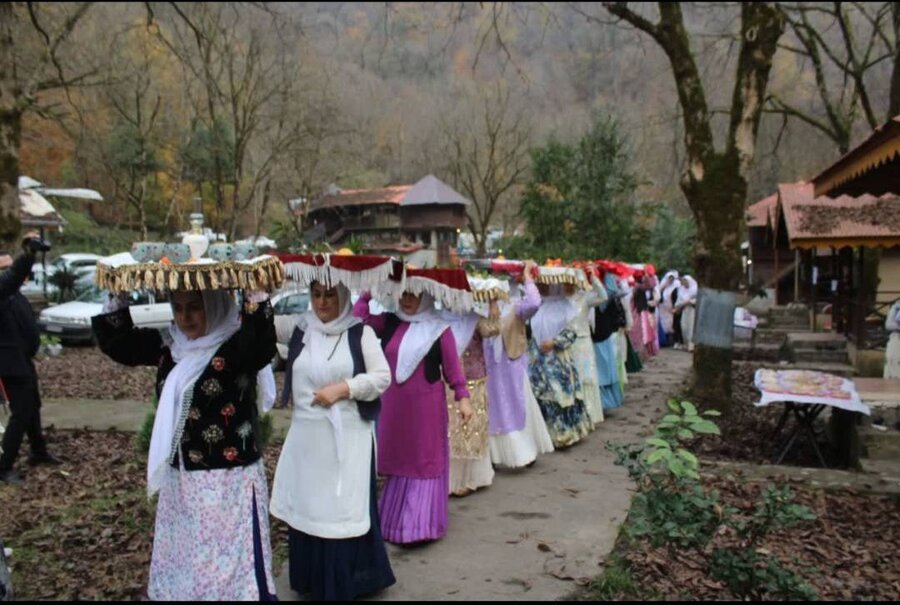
663,337
612,396
341,570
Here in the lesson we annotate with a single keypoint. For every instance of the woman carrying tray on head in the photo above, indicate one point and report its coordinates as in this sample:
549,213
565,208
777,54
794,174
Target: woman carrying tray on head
211,540
413,444
583,355
470,457
517,429
324,485
552,370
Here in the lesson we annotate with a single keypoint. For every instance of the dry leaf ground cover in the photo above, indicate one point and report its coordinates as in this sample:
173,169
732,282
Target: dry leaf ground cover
85,531
848,553
747,432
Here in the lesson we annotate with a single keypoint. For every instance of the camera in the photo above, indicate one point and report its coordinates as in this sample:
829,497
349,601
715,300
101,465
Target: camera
36,244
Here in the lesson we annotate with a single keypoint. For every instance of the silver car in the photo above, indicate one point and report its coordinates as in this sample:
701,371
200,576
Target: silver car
71,321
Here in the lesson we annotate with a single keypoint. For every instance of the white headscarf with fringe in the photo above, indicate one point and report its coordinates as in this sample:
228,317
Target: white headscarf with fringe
425,328
191,357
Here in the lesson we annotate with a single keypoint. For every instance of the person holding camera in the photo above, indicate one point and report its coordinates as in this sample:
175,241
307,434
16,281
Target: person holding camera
19,343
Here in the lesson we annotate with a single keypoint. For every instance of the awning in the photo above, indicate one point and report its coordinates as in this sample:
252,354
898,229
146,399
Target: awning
871,167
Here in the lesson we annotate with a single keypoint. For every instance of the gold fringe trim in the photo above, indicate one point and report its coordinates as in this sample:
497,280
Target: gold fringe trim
264,274
489,295
562,278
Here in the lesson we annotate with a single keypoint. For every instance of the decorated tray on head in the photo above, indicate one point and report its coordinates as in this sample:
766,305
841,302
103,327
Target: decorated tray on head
449,287
357,272
555,273
158,266
486,289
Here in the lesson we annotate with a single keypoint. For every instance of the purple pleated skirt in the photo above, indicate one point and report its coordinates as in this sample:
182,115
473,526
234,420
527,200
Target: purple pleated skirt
414,510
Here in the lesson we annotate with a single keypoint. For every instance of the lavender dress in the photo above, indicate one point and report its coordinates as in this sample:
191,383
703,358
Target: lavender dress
517,429
413,442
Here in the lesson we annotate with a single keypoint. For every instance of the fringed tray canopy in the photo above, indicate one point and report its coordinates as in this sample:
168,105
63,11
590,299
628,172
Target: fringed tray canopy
117,274
562,275
357,272
488,289
448,286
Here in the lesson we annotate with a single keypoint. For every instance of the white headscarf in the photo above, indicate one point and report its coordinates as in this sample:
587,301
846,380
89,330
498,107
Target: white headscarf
463,326
320,371
668,289
555,312
425,327
191,358
687,294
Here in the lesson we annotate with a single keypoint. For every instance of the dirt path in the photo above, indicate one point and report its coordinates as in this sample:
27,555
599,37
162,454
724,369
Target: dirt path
535,533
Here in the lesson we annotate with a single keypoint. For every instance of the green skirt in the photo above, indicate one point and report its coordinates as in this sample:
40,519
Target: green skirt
633,360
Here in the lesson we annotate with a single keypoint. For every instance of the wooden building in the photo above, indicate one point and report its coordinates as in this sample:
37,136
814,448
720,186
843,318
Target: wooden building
835,241
423,219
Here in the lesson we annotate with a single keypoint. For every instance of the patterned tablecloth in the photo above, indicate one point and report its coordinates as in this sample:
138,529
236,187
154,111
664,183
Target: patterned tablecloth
809,387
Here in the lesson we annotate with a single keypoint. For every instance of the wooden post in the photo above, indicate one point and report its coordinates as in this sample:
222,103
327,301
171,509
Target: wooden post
777,269
813,278
861,301
844,434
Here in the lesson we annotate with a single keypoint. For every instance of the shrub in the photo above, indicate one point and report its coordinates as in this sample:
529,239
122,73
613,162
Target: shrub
672,508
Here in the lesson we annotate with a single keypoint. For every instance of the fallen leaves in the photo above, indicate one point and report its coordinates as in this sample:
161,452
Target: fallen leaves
855,560
85,531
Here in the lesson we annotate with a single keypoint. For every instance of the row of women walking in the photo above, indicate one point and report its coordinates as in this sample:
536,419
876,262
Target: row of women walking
430,400
662,312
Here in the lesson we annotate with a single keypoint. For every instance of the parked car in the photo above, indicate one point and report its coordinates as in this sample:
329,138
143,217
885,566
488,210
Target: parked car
83,265
71,321
33,289
287,304
79,263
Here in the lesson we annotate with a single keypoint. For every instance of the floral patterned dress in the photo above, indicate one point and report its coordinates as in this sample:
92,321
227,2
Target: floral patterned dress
558,389
196,557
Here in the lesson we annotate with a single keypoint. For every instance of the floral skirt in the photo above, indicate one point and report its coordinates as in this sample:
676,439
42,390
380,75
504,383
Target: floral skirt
211,541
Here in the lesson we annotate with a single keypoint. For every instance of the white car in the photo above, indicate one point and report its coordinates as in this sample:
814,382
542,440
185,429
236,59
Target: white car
71,321
77,262
287,304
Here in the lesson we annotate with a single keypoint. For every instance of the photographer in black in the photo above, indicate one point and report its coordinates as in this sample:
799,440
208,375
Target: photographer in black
19,342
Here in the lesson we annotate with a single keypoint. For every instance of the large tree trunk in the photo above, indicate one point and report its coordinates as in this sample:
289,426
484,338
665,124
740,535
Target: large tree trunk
718,204
715,183
894,107
10,130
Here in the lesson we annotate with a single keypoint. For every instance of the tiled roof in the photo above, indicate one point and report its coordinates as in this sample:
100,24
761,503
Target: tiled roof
432,190
428,190
362,197
879,149
762,213
842,221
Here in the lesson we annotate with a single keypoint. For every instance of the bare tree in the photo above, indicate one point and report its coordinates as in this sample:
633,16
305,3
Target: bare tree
32,39
859,45
488,155
248,80
715,181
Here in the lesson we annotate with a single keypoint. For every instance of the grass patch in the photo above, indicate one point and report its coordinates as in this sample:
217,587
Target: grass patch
615,583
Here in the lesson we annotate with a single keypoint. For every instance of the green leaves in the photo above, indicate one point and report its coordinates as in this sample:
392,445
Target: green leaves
706,427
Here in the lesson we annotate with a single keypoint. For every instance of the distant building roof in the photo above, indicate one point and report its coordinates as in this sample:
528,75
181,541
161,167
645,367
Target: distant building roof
361,197
428,190
431,190
36,211
762,213
872,167
842,221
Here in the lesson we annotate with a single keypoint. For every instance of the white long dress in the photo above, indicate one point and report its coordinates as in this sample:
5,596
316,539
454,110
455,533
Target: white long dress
321,484
583,351
892,355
